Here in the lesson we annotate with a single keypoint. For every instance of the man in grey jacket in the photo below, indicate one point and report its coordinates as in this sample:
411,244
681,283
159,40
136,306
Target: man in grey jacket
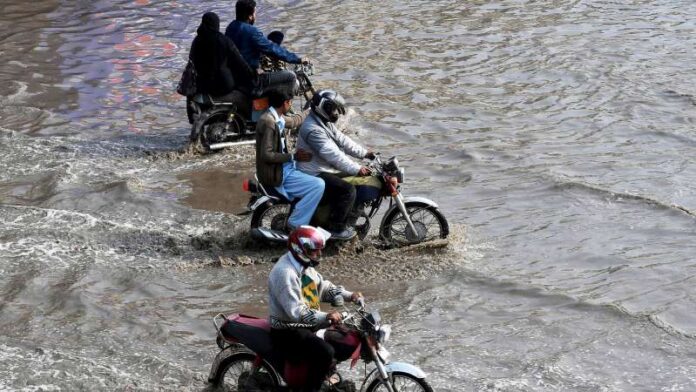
295,290
331,159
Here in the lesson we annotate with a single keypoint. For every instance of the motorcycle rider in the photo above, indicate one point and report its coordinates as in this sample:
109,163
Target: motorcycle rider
295,290
276,166
221,70
252,43
331,150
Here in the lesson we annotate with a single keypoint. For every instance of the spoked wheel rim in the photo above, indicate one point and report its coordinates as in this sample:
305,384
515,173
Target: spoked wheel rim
240,376
213,129
275,217
428,224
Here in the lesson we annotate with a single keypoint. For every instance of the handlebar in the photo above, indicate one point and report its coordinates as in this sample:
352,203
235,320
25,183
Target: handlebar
350,315
361,303
307,69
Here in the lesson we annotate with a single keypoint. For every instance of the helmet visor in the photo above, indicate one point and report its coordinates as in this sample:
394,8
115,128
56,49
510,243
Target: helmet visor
313,254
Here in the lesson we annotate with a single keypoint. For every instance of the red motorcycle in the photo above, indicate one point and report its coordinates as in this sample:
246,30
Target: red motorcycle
247,361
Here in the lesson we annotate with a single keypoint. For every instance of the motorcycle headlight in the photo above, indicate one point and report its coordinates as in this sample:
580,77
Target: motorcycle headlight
384,333
400,175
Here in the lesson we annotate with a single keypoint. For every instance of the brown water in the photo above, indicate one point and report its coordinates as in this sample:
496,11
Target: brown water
557,137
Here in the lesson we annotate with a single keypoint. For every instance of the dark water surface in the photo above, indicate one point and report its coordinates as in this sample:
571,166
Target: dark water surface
557,136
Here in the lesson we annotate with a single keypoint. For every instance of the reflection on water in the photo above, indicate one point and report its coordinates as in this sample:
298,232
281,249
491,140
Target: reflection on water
556,136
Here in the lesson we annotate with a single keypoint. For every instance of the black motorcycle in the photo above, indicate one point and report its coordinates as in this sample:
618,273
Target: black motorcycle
219,124
407,220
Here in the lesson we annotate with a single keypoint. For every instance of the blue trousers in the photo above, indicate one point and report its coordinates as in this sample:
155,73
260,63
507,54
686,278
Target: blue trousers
308,188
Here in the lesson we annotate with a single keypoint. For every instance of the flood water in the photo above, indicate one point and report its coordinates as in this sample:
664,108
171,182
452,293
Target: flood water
557,137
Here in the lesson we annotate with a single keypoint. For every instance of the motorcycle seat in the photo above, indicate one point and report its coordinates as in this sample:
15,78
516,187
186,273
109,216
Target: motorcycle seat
251,331
238,100
253,185
207,99
255,333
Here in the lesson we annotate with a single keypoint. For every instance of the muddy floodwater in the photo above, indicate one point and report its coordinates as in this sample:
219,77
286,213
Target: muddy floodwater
558,138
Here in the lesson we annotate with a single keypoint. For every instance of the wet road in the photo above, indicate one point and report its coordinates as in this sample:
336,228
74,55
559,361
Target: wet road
557,137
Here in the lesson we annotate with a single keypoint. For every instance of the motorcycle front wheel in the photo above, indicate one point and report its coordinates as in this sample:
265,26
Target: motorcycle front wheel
402,382
428,221
239,374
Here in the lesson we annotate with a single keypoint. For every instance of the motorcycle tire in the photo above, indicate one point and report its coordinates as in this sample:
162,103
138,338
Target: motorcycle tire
395,230
402,382
270,216
235,374
210,125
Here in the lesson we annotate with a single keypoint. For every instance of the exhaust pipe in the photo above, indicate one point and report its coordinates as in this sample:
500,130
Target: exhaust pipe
220,146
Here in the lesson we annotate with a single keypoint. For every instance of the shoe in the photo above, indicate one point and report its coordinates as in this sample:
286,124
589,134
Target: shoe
343,235
340,386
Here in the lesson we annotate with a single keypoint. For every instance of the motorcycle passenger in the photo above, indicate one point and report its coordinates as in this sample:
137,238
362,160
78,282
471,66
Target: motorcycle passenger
331,151
295,290
221,70
276,166
252,43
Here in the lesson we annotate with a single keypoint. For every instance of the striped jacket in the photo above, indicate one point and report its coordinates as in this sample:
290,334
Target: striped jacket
294,294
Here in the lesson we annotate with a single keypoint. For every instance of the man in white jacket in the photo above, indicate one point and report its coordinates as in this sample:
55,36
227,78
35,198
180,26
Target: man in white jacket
331,157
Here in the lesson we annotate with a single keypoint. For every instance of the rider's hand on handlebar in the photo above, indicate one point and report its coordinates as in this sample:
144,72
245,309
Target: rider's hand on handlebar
334,317
302,155
370,155
357,298
364,171
305,61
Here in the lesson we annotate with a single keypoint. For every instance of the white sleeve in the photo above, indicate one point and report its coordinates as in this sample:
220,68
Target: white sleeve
328,150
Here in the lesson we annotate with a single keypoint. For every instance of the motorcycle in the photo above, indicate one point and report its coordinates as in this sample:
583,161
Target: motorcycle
219,124
247,362
407,221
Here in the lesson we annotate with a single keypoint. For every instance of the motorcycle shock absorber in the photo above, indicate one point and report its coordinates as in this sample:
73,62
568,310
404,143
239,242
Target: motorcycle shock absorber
402,207
230,119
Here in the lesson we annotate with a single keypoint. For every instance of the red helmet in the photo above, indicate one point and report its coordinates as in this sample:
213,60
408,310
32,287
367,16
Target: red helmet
306,243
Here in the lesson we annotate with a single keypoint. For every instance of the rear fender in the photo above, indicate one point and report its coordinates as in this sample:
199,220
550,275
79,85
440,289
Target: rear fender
262,200
220,358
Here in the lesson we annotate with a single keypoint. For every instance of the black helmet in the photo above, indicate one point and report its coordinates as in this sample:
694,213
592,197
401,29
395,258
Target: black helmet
328,104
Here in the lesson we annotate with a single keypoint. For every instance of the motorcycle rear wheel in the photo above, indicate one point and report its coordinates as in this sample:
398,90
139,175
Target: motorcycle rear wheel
237,374
210,128
403,382
270,216
429,222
